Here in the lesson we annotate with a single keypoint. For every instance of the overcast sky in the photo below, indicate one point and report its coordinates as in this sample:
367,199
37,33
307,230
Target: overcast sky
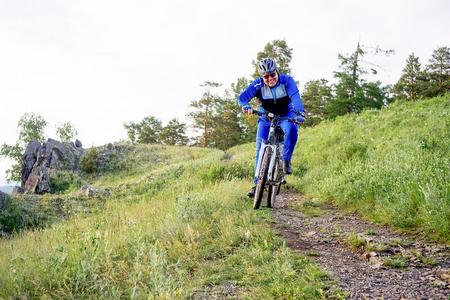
98,64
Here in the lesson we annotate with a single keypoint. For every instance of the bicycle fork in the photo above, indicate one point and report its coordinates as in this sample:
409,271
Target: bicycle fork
265,145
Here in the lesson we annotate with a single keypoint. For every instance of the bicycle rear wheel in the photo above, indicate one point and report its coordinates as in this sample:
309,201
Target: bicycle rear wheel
274,189
262,177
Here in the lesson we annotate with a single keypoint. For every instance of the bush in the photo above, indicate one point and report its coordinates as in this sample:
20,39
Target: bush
21,214
10,218
62,181
89,162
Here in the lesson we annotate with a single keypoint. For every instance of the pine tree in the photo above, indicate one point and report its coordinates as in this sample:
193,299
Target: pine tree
411,83
438,71
202,116
315,97
247,123
227,131
353,92
278,50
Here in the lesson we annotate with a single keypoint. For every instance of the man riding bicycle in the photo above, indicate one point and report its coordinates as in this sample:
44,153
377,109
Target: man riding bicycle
278,94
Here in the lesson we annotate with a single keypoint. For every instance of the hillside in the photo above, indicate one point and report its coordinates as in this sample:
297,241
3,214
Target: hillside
390,165
173,222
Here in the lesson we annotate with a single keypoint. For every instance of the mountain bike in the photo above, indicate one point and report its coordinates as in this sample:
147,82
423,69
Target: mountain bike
269,170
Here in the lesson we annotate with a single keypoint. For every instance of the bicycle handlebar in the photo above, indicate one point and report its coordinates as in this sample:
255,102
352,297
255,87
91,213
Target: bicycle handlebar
273,116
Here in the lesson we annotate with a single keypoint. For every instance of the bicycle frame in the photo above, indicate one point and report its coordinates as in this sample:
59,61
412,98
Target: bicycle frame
274,141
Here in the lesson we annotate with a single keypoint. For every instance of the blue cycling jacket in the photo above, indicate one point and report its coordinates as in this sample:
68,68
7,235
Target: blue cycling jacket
280,99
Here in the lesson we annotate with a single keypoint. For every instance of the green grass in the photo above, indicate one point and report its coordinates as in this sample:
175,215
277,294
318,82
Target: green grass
164,233
397,261
311,208
175,220
376,246
391,165
355,241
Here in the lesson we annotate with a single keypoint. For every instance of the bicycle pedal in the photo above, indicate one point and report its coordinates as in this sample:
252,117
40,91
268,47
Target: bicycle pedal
284,181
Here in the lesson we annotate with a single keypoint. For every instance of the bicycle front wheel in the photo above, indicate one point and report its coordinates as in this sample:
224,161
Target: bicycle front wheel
274,188
262,177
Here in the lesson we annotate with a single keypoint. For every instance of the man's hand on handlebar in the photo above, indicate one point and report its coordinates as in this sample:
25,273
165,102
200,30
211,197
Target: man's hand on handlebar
300,118
260,111
250,110
247,109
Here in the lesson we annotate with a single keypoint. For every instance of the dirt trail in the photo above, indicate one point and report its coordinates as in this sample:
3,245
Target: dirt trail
368,261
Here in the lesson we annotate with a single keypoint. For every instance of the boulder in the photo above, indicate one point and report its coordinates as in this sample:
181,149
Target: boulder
78,144
29,159
51,155
90,191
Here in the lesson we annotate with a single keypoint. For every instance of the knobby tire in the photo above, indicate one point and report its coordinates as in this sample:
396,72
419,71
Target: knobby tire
274,189
262,177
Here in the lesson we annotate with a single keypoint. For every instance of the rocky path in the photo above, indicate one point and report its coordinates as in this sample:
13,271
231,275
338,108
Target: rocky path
368,261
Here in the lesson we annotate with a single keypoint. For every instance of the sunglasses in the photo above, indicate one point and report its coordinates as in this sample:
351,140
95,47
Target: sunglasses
270,75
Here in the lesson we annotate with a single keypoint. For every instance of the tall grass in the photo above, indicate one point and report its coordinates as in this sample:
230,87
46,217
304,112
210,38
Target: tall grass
175,220
392,165
174,230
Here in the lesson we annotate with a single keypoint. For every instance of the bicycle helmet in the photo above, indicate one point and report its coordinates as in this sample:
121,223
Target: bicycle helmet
267,66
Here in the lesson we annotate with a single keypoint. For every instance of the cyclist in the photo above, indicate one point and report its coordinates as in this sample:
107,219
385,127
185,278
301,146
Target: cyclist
277,93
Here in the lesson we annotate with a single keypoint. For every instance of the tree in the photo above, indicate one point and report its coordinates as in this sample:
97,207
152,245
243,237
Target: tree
31,128
278,50
316,95
226,128
174,133
438,71
145,132
14,152
66,132
411,84
247,123
353,93
202,116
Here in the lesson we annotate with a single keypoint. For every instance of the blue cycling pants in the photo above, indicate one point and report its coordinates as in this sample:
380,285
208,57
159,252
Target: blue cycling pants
290,137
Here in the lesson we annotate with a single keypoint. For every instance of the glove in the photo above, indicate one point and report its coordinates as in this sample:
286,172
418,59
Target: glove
246,108
261,110
300,118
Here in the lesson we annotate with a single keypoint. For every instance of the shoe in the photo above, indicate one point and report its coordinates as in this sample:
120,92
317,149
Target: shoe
251,193
287,167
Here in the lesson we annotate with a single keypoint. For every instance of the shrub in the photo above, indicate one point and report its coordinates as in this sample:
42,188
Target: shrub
10,218
89,162
61,181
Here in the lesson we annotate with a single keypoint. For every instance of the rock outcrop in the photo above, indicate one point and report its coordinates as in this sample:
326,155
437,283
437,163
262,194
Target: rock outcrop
40,160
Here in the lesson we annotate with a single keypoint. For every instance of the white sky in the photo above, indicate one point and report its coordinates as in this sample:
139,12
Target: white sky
99,64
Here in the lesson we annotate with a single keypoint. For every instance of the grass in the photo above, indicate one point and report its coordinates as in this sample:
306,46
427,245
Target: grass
175,220
175,229
390,165
377,247
311,208
370,232
355,241
396,261
426,260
